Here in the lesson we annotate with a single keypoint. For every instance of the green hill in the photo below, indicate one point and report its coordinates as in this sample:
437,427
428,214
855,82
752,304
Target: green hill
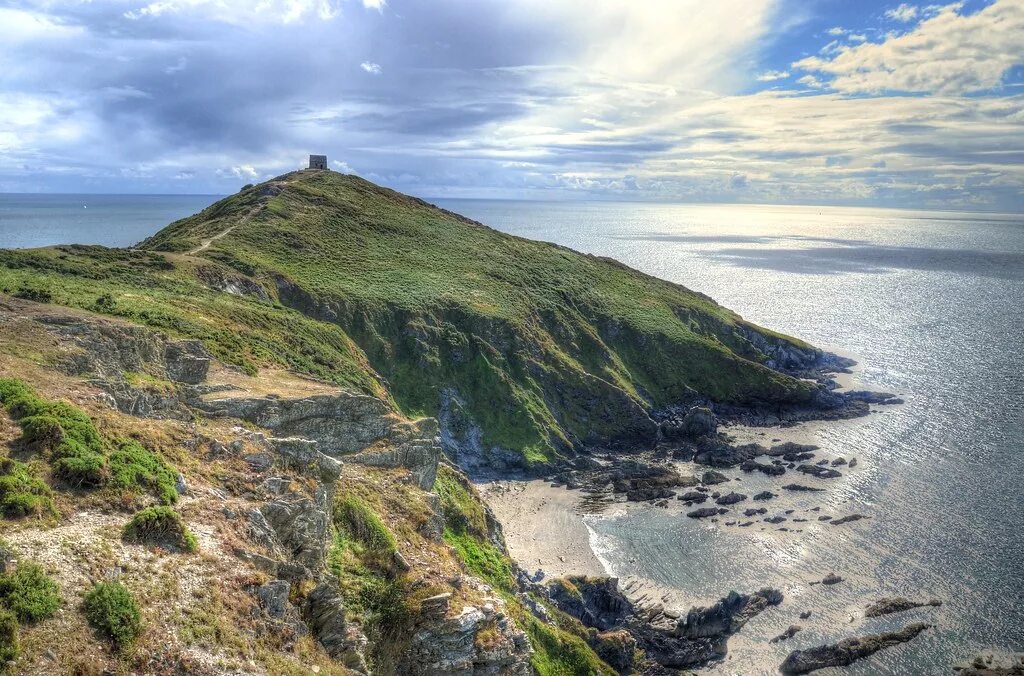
526,347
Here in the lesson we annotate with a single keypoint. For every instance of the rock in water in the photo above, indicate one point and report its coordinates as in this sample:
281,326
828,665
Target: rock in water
711,477
727,615
731,499
847,651
990,663
896,604
849,519
764,495
704,512
801,487
831,579
819,471
792,631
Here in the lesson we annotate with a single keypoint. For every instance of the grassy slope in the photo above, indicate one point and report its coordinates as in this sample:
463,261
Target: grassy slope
547,346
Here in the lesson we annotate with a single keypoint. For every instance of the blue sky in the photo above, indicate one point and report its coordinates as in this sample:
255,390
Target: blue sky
764,101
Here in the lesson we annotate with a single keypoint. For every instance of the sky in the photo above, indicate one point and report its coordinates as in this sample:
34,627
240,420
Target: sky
761,101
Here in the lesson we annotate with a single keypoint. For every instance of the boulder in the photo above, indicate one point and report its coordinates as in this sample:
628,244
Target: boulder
847,651
731,499
896,604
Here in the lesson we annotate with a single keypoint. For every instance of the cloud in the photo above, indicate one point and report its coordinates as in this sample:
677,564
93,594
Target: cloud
371,67
375,4
949,53
772,75
903,13
517,98
836,31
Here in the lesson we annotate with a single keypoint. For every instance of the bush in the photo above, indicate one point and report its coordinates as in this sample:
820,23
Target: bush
33,294
111,609
21,493
29,593
9,645
132,467
358,522
160,525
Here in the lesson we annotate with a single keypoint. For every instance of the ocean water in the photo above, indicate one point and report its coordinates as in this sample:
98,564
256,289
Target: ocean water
933,306
932,303
31,220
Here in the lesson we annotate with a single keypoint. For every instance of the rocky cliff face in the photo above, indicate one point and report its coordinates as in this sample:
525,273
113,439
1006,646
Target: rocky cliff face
298,458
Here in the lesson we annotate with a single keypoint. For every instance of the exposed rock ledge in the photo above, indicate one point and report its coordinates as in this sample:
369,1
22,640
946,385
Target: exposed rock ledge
700,637
848,650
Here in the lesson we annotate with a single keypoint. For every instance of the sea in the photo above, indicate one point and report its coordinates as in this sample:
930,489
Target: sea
930,303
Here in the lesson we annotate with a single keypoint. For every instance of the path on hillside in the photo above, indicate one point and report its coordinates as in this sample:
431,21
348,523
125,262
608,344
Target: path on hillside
207,242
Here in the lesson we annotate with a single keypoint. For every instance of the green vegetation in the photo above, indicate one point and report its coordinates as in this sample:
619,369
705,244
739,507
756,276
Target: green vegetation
132,467
360,525
29,593
559,650
111,609
375,590
10,646
67,438
160,525
22,493
354,284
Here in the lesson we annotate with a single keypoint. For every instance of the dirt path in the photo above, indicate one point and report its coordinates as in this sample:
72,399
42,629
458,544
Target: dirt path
207,242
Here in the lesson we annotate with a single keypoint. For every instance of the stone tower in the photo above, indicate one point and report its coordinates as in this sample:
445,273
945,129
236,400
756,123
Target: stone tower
318,162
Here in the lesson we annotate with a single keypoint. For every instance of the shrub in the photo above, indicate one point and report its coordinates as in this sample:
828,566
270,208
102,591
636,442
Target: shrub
133,467
9,645
358,522
111,609
161,525
29,593
21,493
34,294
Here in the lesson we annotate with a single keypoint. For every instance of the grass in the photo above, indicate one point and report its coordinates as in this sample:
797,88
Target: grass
67,438
22,493
29,593
133,467
548,348
375,590
160,525
10,646
112,610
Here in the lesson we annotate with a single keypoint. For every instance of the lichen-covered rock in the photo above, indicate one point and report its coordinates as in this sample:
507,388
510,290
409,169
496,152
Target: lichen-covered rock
187,361
298,528
341,422
477,642
344,641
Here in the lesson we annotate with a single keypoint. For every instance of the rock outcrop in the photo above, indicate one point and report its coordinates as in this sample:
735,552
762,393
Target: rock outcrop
896,604
669,641
847,651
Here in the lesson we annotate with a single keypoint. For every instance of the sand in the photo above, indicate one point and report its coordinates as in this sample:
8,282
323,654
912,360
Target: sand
543,527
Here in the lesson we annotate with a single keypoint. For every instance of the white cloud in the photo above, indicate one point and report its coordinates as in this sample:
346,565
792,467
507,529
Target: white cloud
772,75
836,31
245,172
342,167
371,67
375,4
811,81
177,67
903,13
239,11
949,53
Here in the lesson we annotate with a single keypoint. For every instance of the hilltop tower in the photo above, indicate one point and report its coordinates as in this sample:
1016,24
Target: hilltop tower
318,162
